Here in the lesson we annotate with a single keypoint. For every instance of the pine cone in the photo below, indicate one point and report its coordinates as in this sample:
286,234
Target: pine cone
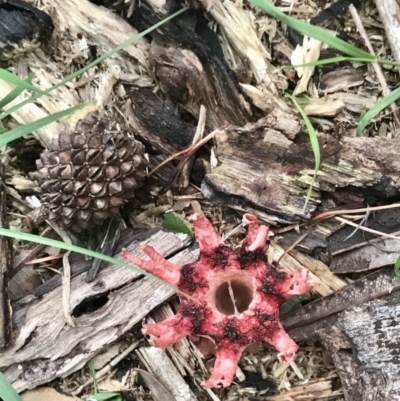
88,174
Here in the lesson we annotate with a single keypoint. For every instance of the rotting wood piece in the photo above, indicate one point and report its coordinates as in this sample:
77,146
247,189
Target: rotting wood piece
156,123
188,61
374,330
370,287
364,345
5,265
268,166
46,347
356,384
164,381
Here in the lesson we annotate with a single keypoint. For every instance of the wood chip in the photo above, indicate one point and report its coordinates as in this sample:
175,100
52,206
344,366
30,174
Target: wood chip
164,371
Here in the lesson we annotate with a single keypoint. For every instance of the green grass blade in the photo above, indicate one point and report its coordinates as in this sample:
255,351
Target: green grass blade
14,93
18,132
116,49
93,374
325,61
314,145
371,113
312,31
397,267
18,82
338,59
73,248
7,391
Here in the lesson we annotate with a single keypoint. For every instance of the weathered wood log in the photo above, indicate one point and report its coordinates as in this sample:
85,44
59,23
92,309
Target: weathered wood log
371,371
268,166
370,287
157,123
356,250
357,384
187,60
5,264
46,347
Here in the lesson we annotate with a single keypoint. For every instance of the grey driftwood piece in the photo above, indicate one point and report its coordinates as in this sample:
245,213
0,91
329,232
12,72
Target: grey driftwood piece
46,347
370,287
388,11
269,166
165,376
371,371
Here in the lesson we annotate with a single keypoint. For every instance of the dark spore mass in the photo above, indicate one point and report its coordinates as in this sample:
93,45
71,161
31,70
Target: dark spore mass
246,258
264,317
219,258
196,314
231,332
187,281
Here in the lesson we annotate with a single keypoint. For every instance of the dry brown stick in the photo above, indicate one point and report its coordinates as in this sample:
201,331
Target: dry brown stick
5,266
330,213
191,149
197,137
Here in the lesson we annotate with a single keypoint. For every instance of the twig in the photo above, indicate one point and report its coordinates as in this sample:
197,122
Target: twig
388,12
66,277
370,230
101,373
330,213
196,138
295,243
5,267
377,67
191,149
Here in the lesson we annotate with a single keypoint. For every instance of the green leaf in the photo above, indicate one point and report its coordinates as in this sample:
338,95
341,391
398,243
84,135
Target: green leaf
371,113
116,49
18,82
18,132
104,397
397,267
7,391
293,303
14,93
93,374
314,145
174,222
73,248
312,31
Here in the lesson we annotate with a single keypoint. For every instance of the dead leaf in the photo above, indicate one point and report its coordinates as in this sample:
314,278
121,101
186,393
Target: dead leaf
112,386
46,394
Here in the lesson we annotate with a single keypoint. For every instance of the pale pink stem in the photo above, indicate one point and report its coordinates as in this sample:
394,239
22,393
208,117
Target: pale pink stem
206,235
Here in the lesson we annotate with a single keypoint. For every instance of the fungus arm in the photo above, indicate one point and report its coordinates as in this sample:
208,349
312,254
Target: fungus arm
296,283
158,265
168,332
225,366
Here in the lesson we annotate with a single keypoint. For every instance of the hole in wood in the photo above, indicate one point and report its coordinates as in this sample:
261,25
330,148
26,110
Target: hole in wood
90,305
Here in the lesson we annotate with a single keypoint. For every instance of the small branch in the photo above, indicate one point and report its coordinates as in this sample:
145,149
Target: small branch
388,13
377,67
5,266
197,137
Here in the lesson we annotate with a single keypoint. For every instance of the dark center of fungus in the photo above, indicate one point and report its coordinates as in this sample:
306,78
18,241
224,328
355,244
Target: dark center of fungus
232,294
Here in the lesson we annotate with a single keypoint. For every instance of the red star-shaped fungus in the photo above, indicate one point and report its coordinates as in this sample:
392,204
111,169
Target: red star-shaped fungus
237,294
